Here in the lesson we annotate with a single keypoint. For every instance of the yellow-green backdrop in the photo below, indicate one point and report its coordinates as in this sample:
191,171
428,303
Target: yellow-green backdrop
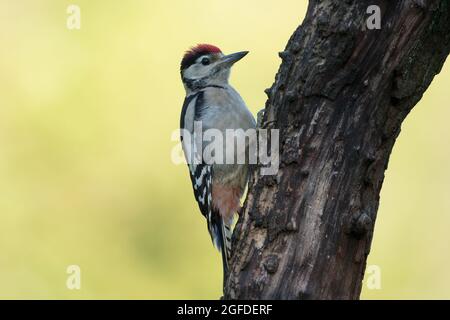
86,177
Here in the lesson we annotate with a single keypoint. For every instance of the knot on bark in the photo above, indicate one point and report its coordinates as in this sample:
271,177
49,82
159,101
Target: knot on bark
361,223
271,264
292,95
291,226
285,55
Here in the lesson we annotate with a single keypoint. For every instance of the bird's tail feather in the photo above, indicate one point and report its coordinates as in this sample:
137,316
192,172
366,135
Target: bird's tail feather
221,233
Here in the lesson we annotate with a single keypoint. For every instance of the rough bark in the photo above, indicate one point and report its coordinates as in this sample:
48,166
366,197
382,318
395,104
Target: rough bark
339,99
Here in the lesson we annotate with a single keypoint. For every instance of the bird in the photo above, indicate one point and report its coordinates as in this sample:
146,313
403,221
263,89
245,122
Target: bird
213,102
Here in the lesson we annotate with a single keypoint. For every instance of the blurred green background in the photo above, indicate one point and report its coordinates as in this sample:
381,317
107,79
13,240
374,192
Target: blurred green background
86,177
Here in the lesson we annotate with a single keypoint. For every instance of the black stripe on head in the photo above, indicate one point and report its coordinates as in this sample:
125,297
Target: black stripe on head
196,52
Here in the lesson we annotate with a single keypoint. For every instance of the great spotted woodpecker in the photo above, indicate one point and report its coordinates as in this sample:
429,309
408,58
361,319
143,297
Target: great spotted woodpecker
212,102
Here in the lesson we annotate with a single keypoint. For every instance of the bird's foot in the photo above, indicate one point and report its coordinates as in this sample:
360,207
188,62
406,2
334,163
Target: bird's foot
259,118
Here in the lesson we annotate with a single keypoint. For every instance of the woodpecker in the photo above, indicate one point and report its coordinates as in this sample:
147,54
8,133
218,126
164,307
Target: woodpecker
213,102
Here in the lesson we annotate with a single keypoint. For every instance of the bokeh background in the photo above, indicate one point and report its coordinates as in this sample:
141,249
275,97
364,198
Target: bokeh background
86,177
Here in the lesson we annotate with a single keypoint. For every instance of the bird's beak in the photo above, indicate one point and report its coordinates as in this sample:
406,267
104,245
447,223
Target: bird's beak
231,59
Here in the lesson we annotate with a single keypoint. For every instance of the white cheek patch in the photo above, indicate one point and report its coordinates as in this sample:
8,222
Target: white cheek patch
193,72
198,70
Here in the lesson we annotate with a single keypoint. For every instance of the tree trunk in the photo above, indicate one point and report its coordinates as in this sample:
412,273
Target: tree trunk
339,99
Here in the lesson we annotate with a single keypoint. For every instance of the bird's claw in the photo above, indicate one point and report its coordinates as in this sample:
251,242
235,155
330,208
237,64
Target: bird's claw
259,118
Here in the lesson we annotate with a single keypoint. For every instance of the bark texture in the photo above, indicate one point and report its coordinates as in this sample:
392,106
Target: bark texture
339,99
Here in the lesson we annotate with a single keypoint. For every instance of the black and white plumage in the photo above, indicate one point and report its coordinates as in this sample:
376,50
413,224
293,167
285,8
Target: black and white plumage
213,103
201,178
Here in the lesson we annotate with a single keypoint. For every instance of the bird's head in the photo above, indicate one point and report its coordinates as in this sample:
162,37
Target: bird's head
206,65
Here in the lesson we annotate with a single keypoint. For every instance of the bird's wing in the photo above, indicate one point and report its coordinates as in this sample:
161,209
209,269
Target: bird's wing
201,175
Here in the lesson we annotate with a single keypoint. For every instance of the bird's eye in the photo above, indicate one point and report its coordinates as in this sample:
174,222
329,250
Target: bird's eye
205,61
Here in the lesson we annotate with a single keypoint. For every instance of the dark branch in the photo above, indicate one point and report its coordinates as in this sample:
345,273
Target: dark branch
339,99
